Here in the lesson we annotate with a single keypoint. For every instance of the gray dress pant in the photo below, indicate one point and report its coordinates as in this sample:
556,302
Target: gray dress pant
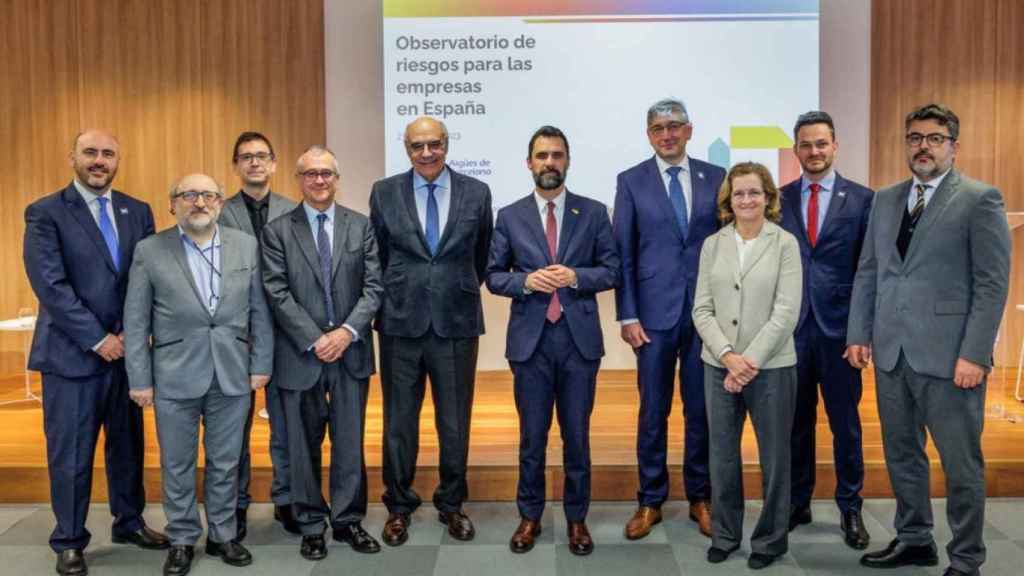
908,404
771,401
177,427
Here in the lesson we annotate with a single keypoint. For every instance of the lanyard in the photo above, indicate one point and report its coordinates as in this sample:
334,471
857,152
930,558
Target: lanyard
209,260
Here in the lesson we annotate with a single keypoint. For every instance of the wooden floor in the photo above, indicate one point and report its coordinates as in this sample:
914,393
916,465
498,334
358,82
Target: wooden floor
495,432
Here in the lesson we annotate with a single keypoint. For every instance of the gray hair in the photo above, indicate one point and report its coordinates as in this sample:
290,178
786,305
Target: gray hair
176,185
317,150
667,107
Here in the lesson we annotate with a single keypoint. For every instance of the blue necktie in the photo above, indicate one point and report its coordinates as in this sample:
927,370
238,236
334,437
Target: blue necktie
323,248
433,220
675,194
107,230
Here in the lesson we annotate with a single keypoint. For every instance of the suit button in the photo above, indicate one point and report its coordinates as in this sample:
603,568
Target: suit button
737,286
735,323
212,325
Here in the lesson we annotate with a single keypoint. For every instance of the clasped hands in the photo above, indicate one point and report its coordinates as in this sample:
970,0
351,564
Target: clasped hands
550,278
741,371
331,345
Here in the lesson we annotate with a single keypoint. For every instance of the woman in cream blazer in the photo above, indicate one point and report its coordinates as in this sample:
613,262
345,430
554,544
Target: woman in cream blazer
745,309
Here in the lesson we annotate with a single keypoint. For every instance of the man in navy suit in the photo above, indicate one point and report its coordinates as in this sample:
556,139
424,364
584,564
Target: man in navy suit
553,271
828,214
78,249
665,207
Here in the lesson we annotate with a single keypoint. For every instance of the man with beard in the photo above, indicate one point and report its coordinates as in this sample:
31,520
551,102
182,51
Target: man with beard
927,301
199,339
433,226
665,207
553,272
78,249
249,210
828,215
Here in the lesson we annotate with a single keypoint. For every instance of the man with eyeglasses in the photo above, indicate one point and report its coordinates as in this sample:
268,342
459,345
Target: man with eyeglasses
78,247
927,302
321,272
665,207
249,210
433,226
828,215
198,341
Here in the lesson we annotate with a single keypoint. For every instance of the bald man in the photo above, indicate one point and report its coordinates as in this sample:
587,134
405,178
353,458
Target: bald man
433,226
78,248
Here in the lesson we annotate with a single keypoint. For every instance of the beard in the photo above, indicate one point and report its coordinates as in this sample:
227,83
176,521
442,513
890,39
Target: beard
198,223
549,179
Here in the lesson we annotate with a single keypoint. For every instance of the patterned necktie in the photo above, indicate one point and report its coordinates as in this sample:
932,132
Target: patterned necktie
675,194
915,212
812,215
433,220
107,230
323,248
551,231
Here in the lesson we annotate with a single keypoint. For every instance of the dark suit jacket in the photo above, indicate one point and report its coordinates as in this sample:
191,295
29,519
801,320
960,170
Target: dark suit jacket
291,277
659,267
442,291
520,247
81,295
830,266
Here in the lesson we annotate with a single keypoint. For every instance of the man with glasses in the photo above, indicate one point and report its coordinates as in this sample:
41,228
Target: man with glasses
249,210
322,276
198,341
665,207
927,301
433,226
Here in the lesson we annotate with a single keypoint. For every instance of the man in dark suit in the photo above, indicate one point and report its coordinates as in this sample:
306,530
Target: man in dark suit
554,346
322,276
828,215
78,249
249,210
433,226
665,207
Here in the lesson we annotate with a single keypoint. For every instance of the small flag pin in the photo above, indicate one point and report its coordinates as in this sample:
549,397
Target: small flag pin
576,211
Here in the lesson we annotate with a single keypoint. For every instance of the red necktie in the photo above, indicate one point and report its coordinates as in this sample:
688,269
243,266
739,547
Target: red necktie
812,215
551,231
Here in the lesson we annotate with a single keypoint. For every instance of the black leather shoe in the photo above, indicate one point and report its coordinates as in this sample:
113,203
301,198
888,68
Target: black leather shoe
758,561
71,562
284,515
359,539
799,515
241,524
230,552
954,572
313,547
899,554
459,525
854,533
396,529
179,560
144,537
719,555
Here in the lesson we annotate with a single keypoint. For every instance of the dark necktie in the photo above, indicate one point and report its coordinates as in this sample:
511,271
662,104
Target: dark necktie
107,230
812,215
915,212
323,248
675,194
433,220
551,231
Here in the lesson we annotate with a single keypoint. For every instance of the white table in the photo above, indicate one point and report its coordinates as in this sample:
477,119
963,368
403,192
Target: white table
24,325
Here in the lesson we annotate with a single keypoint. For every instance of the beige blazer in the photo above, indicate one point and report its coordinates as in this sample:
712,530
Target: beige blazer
755,309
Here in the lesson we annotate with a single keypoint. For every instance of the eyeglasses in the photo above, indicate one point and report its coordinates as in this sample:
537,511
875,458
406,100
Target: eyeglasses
747,194
659,129
191,196
261,157
435,145
934,140
314,175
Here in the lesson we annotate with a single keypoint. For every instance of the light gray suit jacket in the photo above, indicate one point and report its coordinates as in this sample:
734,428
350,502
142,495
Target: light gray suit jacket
236,215
189,345
945,301
754,309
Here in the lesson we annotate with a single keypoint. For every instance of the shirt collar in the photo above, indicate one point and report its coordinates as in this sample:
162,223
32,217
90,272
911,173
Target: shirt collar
827,183
87,193
188,240
663,165
542,204
442,181
311,213
932,184
250,201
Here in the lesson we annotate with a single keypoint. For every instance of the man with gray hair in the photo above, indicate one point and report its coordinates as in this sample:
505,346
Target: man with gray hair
665,207
198,340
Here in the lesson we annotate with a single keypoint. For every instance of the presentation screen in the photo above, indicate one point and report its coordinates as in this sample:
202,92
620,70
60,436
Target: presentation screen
495,71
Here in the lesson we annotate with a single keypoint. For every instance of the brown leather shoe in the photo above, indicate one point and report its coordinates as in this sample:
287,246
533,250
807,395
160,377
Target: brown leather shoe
459,525
523,539
700,512
580,542
642,522
396,529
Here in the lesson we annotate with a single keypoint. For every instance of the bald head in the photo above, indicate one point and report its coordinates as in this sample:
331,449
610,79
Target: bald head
426,143
95,156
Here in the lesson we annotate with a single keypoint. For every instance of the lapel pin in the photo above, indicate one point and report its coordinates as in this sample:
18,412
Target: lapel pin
700,175
124,210
842,194
575,211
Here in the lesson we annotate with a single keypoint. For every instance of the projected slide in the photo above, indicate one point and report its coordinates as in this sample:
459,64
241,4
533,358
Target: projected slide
495,71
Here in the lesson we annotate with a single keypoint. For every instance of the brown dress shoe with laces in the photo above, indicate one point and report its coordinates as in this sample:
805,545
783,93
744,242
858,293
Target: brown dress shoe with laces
642,522
580,542
524,537
700,512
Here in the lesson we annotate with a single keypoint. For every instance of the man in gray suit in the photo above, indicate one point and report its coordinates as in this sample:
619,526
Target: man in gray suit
322,276
195,291
249,210
927,301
